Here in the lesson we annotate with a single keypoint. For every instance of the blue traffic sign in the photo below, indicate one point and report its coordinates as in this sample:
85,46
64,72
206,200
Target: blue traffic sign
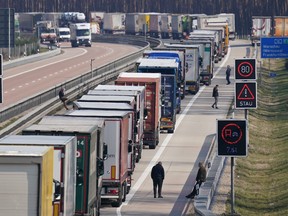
274,47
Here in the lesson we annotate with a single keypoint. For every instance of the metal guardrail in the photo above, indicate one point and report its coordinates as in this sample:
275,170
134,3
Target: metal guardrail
77,85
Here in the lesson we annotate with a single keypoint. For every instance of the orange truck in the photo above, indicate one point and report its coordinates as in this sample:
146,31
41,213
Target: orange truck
152,83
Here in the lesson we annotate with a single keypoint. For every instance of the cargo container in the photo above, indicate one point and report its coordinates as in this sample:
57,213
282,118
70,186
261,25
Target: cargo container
64,166
231,24
206,52
26,180
177,27
138,92
165,25
116,176
100,106
261,27
89,160
193,60
144,23
178,55
152,83
280,26
170,100
131,24
114,23
155,20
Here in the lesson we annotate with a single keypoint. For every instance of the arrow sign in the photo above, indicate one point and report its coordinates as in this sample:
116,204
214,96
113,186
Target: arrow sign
245,95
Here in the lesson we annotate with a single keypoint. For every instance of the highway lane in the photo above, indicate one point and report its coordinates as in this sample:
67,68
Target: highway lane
30,79
180,152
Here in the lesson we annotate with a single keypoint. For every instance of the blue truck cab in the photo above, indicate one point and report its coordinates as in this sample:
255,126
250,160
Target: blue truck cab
170,92
179,56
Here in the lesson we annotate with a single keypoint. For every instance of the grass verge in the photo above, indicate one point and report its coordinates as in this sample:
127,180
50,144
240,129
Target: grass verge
261,178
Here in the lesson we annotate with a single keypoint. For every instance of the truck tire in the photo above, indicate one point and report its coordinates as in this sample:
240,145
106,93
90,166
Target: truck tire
152,146
171,130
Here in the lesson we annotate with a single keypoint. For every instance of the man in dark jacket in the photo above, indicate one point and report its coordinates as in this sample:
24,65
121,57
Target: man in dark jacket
200,178
157,175
228,72
215,94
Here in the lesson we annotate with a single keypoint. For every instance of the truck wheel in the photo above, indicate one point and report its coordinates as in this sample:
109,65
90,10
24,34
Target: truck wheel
124,191
171,130
152,146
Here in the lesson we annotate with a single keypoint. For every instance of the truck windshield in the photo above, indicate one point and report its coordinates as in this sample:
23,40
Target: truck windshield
64,33
83,32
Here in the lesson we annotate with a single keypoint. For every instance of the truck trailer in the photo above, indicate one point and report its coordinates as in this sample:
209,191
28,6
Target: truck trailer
64,167
116,177
152,83
26,180
170,98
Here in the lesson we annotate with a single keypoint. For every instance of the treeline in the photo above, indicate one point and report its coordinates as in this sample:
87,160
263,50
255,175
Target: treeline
243,9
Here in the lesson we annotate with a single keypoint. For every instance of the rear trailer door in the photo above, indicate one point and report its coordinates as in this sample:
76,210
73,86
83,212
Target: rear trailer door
19,186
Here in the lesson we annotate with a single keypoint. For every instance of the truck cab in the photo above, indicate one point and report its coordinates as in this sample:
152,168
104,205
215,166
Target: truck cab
80,34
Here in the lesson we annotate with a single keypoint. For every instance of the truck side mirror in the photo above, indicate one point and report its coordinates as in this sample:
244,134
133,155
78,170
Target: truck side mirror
105,151
57,187
100,166
79,177
130,146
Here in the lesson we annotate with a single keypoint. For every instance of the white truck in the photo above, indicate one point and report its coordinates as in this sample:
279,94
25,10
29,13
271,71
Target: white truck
192,65
64,167
80,34
63,34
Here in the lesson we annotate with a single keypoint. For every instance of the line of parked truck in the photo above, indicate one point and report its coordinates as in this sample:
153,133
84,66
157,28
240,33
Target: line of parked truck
68,164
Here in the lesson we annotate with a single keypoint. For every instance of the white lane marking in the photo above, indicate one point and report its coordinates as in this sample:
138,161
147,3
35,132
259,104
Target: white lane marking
27,71
161,148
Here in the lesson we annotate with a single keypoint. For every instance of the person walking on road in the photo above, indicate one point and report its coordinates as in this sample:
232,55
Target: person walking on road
157,175
200,178
62,97
228,73
215,94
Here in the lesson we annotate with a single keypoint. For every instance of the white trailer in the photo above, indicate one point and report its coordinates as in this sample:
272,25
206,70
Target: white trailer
261,27
80,34
114,23
26,180
116,137
64,169
132,24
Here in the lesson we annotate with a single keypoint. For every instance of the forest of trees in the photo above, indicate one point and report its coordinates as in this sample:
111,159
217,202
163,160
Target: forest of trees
243,9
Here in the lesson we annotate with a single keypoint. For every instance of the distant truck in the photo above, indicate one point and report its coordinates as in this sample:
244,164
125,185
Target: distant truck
114,23
80,34
63,34
26,180
152,83
170,98
193,62
116,176
281,26
261,27
46,31
71,17
64,169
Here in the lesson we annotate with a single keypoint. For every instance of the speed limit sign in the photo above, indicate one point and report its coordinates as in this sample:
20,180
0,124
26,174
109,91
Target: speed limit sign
245,69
